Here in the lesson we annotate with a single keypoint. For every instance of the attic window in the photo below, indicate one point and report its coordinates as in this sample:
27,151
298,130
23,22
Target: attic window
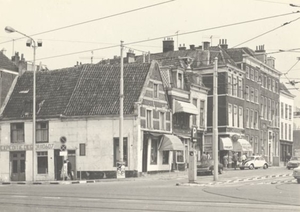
25,91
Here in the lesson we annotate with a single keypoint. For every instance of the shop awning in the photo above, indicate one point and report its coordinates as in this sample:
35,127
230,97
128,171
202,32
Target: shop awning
242,145
171,143
185,107
226,144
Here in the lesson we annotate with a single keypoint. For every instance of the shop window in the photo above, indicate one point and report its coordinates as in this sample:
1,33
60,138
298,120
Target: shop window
22,164
42,162
179,156
165,157
117,153
154,149
17,132
82,150
15,166
42,132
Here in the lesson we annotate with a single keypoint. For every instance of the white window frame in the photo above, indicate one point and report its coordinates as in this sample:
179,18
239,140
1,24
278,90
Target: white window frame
230,115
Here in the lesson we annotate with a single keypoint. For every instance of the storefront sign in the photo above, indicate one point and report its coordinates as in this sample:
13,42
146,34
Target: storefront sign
24,147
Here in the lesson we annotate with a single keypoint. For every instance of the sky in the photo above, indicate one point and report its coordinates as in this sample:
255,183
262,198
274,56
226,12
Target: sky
74,30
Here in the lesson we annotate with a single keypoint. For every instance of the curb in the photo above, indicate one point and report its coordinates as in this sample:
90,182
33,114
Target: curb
241,180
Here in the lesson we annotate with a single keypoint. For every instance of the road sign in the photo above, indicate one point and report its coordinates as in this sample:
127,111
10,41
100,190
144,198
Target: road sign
63,139
63,147
63,153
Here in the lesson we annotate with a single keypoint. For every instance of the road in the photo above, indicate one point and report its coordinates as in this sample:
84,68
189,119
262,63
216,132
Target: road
159,193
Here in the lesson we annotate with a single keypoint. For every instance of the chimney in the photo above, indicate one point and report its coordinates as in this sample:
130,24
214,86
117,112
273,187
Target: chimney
130,56
149,57
182,47
192,47
271,62
144,57
223,43
168,45
260,53
206,45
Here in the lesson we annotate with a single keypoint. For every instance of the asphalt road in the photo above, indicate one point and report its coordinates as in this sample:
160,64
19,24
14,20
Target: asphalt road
157,194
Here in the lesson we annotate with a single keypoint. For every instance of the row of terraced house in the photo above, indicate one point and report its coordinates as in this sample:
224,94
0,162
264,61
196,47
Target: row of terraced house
166,94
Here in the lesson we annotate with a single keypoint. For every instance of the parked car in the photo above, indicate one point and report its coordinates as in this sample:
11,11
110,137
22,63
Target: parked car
254,162
296,174
293,163
208,167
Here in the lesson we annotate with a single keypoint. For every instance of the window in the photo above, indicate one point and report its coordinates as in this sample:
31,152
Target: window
162,122
252,94
155,91
247,93
247,117
282,110
252,74
165,157
154,149
290,112
202,112
194,121
180,156
269,83
262,107
239,94
42,162
149,119
17,132
229,115
179,81
285,131
247,72
235,116
256,76
256,96
240,117
229,84
290,132
262,80
255,123
266,111
82,150
234,87
117,152
251,118
276,87
281,130
273,85
42,132
242,89
286,111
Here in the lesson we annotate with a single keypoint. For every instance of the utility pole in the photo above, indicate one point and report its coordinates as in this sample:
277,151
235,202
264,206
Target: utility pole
215,119
121,160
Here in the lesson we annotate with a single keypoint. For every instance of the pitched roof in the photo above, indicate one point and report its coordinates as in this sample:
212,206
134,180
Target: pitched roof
90,89
236,54
283,88
6,63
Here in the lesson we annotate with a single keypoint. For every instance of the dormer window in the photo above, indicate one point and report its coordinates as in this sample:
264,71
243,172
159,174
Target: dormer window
179,80
155,91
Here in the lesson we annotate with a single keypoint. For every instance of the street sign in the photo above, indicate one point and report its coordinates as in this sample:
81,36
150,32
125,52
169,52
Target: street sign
63,153
63,147
63,139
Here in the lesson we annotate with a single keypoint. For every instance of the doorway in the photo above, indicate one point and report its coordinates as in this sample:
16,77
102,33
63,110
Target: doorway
58,163
72,160
17,160
145,154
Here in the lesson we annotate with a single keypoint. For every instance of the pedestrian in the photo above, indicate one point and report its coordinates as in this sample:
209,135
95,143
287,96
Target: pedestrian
70,174
234,160
64,171
225,161
203,158
244,157
288,157
208,156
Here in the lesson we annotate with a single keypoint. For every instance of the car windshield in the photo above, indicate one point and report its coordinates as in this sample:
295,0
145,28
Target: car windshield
250,158
295,158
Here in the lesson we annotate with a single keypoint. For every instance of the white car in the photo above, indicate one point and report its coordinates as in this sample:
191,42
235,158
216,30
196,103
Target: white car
296,174
254,162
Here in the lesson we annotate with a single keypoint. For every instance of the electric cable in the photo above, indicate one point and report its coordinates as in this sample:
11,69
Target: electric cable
161,37
93,20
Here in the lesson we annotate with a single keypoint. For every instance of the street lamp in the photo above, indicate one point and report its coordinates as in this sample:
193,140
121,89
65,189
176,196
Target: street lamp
31,43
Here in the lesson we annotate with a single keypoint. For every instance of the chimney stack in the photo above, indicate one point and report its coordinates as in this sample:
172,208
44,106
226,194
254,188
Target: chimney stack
130,56
168,45
206,45
192,47
182,47
223,43
260,53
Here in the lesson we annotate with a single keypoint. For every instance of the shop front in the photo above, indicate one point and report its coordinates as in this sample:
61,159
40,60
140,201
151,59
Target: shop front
226,148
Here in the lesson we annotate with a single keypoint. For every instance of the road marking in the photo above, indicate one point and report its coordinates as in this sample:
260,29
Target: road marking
51,197
19,196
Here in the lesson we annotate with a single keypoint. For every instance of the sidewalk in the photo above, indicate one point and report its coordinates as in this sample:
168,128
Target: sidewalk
177,175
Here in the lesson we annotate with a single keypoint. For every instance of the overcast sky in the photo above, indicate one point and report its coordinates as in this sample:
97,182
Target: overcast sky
147,23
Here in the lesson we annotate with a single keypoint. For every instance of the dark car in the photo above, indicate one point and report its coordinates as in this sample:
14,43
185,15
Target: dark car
293,163
207,167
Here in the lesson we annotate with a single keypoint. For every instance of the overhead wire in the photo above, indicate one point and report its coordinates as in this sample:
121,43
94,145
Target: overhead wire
173,35
93,20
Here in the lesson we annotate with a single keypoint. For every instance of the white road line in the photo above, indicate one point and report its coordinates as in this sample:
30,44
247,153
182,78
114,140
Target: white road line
51,197
20,196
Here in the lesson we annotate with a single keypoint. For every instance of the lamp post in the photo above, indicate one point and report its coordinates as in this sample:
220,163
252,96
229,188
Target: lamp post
31,43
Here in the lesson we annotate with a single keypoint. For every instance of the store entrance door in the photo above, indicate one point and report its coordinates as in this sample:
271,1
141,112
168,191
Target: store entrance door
58,163
17,160
72,160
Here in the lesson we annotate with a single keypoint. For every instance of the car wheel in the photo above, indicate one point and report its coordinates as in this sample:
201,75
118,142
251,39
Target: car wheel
220,171
251,166
265,166
298,181
288,168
